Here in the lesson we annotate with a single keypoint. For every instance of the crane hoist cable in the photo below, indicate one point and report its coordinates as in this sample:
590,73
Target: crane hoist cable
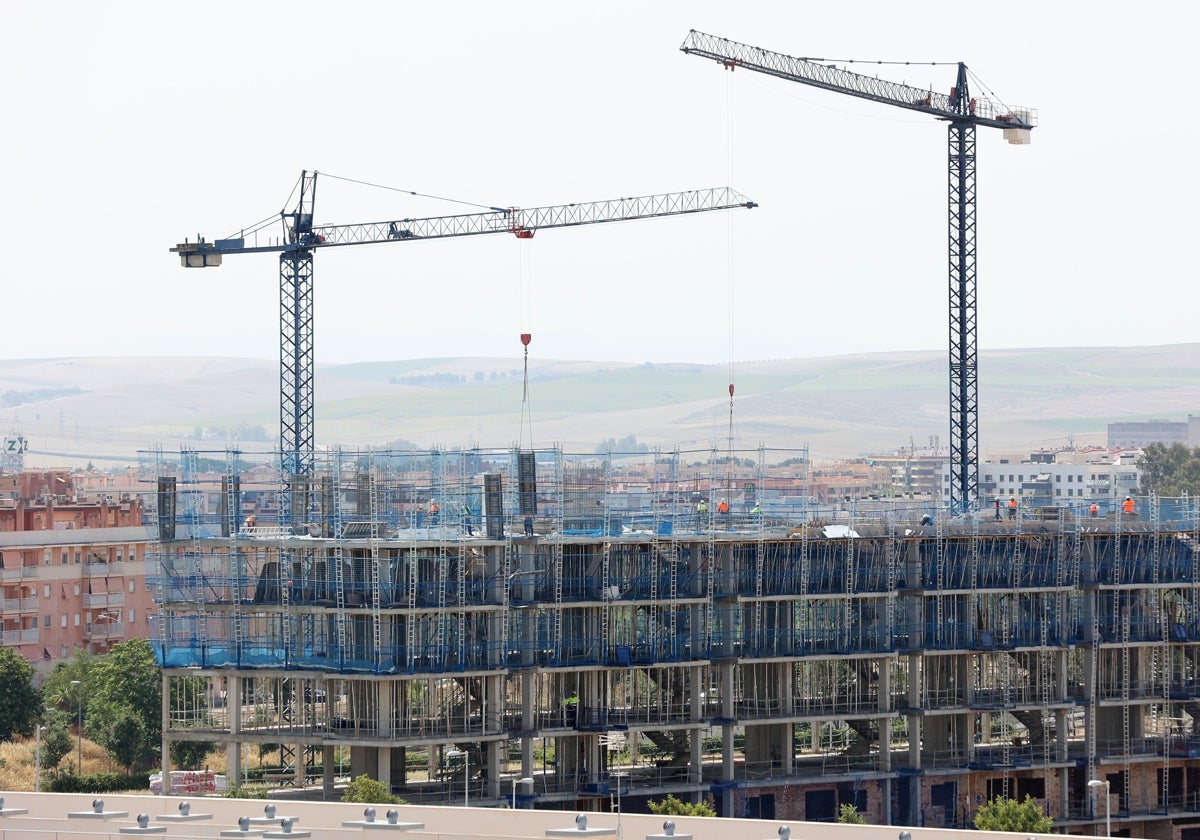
729,276
525,436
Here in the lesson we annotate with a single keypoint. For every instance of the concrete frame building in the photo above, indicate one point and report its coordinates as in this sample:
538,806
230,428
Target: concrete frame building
778,664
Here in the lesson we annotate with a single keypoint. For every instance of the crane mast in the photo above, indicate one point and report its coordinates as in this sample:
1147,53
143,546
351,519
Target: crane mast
301,238
963,112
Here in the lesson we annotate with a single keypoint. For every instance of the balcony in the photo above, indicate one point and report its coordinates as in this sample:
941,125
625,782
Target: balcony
19,637
19,605
19,573
101,600
98,631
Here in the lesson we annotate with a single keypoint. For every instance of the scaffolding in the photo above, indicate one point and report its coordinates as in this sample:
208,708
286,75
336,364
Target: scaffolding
572,617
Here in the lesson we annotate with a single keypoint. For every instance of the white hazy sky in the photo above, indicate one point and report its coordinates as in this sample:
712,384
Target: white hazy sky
132,125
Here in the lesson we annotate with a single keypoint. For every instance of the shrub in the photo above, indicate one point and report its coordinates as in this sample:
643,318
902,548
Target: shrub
100,783
1002,814
365,789
849,814
678,808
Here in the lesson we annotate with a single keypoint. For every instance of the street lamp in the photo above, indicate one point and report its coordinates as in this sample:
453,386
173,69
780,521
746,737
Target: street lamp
618,777
1095,785
525,781
79,726
37,759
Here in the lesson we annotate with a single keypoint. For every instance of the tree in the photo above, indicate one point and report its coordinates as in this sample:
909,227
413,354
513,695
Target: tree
126,680
22,706
1003,814
365,789
849,814
1170,470
124,737
190,755
56,740
678,808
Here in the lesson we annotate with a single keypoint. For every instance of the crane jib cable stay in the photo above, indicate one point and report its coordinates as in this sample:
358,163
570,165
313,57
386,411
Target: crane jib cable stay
963,112
301,238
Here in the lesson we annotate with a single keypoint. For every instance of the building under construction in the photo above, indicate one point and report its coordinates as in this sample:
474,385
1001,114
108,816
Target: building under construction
460,623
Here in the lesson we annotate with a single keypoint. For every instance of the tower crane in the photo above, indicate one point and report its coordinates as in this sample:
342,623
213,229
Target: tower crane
301,238
963,112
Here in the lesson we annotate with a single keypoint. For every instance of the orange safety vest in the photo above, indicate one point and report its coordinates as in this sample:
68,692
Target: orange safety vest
1128,506
723,507
1012,503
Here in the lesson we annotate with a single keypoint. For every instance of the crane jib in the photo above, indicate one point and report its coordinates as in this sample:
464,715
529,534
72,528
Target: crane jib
514,220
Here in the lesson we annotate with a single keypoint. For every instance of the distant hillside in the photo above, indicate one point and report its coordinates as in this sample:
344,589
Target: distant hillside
106,409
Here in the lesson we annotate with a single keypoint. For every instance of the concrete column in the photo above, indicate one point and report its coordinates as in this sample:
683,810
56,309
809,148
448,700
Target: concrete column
527,724
165,707
491,763
328,771
914,746
727,731
387,723
695,756
233,752
383,765
885,723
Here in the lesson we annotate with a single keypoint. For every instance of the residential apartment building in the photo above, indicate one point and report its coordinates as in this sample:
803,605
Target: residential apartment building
72,568
1055,479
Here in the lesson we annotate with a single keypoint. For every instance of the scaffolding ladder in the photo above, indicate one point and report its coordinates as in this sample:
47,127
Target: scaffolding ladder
606,540
711,554
339,563
376,515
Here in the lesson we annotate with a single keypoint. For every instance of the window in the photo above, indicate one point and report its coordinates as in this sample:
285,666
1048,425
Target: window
1058,492
1070,479
78,557
132,616
133,585
120,555
46,557
77,589
46,621
46,591
65,555
64,619
1058,478
76,619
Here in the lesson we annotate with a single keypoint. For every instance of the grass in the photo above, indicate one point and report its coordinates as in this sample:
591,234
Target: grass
17,763
17,770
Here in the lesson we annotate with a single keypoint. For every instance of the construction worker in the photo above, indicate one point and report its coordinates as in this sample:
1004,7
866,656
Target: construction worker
466,518
1012,507
1128,506
435,511
528,526
702,512
1094,510
756,510
997,508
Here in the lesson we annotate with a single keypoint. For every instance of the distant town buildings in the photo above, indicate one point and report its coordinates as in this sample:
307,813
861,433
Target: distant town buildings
1145,432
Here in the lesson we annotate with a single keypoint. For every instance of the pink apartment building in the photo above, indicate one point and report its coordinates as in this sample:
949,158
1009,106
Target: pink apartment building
72,568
